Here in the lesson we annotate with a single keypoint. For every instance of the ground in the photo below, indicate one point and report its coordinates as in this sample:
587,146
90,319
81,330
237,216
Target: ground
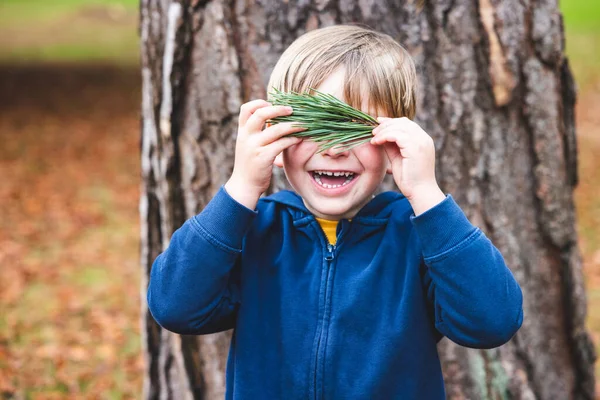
69,232
69,222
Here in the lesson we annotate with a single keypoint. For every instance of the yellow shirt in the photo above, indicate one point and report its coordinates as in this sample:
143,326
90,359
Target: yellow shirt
330,229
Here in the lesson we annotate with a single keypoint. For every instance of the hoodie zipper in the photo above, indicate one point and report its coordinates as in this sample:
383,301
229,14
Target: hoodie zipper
329,257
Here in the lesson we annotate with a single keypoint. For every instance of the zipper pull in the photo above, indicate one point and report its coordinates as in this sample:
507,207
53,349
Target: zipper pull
330,252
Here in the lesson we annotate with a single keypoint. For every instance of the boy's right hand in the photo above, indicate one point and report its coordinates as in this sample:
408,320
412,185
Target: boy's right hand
256,149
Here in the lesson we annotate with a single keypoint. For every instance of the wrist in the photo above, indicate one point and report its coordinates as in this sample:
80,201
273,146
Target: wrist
243,193
425,198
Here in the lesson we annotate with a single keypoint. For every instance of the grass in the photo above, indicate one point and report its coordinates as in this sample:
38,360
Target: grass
583,51
15,12
69,31
581,15
582,29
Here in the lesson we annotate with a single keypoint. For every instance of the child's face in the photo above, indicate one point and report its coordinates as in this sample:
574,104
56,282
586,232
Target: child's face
313,175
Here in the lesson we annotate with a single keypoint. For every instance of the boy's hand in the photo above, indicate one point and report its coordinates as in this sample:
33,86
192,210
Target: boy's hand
412,161
256,149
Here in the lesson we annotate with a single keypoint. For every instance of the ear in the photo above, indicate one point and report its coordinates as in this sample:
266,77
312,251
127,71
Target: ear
278,162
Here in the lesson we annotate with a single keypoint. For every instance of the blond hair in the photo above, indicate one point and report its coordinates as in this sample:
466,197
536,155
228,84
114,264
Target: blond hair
375,65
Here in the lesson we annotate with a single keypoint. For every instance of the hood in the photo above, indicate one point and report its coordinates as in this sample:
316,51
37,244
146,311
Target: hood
379,207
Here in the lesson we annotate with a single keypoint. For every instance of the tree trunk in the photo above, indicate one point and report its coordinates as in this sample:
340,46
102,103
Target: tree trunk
496,95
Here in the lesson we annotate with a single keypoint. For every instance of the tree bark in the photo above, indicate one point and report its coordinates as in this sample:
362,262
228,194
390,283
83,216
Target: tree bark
497,96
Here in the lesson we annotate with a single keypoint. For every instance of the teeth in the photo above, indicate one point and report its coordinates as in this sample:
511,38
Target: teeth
329,173
317,175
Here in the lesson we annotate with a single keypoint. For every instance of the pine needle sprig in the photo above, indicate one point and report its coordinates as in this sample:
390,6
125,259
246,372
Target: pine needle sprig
328,120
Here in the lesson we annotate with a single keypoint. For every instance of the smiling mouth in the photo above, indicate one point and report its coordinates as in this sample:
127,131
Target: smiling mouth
333,179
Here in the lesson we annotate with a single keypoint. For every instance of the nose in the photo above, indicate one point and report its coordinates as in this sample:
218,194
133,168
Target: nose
336,152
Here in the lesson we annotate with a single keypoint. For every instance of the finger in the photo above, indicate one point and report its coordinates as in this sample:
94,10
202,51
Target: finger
385,122
410,143
408,127
277,131
385,125
280,145
392,134
382,125
258,119
247,109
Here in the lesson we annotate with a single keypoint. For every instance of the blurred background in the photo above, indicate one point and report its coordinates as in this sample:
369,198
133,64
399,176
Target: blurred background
69,161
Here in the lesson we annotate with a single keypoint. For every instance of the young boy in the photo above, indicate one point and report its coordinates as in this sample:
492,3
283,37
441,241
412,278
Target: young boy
334,293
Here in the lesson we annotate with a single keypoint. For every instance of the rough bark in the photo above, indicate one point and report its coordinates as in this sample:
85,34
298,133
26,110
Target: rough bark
496,95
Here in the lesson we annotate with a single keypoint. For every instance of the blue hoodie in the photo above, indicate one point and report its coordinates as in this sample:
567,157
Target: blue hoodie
359,320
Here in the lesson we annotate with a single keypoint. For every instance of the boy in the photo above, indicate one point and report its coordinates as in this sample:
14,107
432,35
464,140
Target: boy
334,293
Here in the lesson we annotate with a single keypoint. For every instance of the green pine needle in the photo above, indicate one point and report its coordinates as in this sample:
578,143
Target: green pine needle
328,120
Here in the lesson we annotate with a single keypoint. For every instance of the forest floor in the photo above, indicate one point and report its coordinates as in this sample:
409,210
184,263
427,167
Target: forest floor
69,221
69,232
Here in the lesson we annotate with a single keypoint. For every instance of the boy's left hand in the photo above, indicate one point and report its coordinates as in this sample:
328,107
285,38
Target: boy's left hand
412,161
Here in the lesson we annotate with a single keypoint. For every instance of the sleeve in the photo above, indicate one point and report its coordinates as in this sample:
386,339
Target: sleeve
476,299
194,283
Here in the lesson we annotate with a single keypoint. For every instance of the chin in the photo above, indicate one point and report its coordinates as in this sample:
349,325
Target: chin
334,211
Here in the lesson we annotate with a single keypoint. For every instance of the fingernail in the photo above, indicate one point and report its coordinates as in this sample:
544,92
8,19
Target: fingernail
288,108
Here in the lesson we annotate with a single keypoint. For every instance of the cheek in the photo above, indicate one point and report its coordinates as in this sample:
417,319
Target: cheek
307,147
371,157
298,154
